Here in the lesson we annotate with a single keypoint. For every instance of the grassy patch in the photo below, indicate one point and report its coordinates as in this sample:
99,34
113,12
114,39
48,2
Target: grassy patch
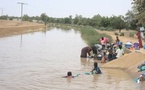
88,33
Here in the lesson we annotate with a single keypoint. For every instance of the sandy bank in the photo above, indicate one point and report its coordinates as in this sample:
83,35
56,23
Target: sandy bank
8,27
129,61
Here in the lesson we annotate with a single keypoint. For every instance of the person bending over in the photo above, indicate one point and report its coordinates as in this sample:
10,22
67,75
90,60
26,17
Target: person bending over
86,50
96,50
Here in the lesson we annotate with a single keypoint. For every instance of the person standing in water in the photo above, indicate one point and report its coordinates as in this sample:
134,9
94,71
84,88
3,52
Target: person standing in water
96,68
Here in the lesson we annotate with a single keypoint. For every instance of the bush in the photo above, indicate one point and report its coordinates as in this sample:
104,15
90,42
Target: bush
102,28
109,28
131,34
121,34
116,33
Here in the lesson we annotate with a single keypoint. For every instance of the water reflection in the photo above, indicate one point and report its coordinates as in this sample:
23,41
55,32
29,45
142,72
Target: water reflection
21,40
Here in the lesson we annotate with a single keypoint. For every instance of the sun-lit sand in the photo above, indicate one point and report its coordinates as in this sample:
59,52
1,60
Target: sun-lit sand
8,27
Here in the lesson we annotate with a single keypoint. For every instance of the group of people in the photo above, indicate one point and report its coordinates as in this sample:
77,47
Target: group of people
103,51
106,51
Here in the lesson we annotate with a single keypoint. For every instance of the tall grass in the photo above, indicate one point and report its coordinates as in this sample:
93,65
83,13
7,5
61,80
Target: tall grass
88,33
91,36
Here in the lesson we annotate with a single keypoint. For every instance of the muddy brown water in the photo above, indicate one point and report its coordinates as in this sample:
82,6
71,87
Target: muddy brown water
37,61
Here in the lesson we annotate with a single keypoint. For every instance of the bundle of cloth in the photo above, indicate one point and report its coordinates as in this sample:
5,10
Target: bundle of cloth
141,78
141,67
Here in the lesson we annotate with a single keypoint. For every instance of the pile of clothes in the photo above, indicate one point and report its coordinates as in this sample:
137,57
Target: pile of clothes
141,68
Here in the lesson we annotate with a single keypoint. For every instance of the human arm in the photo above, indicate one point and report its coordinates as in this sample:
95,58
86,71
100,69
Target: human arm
92,70
89,53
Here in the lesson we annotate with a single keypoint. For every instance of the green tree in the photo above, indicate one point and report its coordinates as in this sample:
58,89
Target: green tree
105,22
96,21
140,7
44,18
25,17
76,19
130,19
67,20
117,22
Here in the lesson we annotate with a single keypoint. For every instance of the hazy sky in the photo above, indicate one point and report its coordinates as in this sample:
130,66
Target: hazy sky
64,8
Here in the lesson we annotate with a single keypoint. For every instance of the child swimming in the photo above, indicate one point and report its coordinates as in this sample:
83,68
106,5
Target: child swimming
69,75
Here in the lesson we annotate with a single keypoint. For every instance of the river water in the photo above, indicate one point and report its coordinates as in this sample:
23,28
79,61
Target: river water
39,60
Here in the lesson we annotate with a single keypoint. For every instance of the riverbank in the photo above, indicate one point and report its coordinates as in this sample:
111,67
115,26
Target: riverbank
130,61
8,27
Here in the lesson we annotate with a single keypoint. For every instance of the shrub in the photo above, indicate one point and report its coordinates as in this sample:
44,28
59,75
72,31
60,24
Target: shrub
131,34
116,33
102,28
109,28
121,34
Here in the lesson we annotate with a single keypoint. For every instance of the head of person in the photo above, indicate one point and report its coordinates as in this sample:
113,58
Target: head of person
120,47
95,64
102,38
69,73
141,78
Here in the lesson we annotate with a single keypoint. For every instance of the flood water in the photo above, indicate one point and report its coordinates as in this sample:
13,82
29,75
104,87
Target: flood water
38,61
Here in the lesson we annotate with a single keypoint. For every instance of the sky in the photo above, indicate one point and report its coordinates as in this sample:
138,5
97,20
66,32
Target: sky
65,8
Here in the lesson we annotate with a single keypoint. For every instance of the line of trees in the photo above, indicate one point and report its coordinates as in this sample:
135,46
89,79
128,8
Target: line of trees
114,22
129,21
